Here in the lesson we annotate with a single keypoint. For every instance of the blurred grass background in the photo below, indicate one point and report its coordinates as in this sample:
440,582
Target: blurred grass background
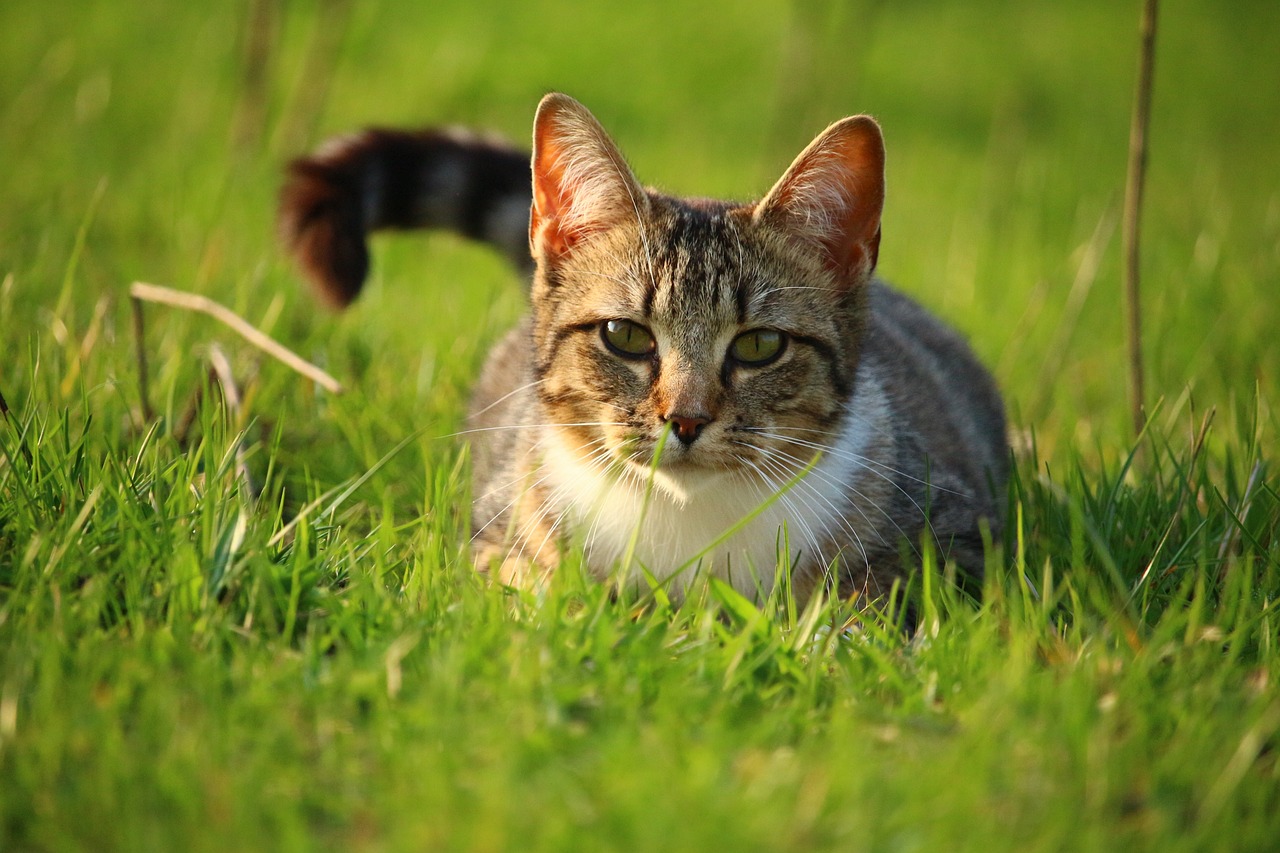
1007,125
177,673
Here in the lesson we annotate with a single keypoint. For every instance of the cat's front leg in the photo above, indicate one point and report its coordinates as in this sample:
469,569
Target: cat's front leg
524,552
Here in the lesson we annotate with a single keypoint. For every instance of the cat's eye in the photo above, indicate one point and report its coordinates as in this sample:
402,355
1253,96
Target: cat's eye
757,347
627,339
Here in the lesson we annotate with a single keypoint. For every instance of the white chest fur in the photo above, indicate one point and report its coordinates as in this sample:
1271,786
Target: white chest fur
734,525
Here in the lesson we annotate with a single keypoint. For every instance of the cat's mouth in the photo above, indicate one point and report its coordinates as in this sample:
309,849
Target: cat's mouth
667,458
691,464
681,475
684,468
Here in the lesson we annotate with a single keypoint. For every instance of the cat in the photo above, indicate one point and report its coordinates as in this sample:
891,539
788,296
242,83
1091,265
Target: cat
700,387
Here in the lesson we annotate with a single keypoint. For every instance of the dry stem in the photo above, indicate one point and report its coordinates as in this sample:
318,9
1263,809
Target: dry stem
204,305
1133,210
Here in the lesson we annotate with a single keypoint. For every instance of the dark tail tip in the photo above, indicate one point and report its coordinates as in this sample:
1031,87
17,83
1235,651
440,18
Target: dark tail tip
322,226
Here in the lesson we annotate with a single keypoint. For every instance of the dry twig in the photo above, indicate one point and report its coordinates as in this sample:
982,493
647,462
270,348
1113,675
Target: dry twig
204,305
1133,209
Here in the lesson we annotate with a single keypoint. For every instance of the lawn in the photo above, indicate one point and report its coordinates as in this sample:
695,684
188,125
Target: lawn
239,614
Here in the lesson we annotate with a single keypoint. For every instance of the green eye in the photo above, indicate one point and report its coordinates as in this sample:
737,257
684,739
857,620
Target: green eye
757,347
627,339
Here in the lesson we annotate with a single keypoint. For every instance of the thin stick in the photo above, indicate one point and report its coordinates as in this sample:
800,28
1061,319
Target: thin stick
140,348
224,315
1133,209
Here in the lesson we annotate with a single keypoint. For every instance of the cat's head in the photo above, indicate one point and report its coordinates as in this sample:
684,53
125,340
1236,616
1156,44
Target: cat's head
727,334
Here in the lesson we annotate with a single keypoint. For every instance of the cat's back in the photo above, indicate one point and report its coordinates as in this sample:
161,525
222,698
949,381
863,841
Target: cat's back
942,394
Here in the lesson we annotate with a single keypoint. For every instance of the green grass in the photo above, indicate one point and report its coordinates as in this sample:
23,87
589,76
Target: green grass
186,663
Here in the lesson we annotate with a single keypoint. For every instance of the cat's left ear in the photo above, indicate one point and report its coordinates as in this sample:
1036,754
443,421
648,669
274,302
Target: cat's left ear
581,184
832,196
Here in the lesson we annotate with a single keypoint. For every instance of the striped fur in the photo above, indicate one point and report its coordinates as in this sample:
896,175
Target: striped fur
383,179
867,432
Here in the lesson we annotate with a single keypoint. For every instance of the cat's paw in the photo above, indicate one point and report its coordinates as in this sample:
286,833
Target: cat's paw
512,569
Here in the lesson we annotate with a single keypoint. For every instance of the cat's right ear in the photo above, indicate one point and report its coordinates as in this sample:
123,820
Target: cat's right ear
581,184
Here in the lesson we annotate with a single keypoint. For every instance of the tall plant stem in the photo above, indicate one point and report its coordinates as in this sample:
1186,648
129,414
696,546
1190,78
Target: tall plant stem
1133,211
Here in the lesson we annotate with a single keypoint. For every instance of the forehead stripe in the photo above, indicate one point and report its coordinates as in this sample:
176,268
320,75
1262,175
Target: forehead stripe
650,293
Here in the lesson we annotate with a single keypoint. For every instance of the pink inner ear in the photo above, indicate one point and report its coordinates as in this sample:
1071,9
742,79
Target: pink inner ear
832,196
550,194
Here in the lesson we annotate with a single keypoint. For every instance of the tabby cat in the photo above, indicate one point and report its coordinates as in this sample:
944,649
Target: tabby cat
701,387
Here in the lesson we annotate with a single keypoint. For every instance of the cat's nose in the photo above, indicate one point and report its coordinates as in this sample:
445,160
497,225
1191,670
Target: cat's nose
687,428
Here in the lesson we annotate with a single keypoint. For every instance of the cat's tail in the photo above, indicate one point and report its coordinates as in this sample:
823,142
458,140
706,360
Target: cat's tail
376,179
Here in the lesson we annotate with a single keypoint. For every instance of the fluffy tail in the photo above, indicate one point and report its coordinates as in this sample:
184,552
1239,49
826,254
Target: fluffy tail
378,179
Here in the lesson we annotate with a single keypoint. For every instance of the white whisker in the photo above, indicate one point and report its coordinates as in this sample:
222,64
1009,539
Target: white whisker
866,465
551,425
507,396
865,461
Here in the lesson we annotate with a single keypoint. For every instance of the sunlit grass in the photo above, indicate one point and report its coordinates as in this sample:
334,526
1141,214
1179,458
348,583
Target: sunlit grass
260,630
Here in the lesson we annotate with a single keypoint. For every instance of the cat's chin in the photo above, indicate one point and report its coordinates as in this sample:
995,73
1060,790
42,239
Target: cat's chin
681,480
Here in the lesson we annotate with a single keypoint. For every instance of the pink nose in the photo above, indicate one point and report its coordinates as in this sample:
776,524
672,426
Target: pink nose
687,429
